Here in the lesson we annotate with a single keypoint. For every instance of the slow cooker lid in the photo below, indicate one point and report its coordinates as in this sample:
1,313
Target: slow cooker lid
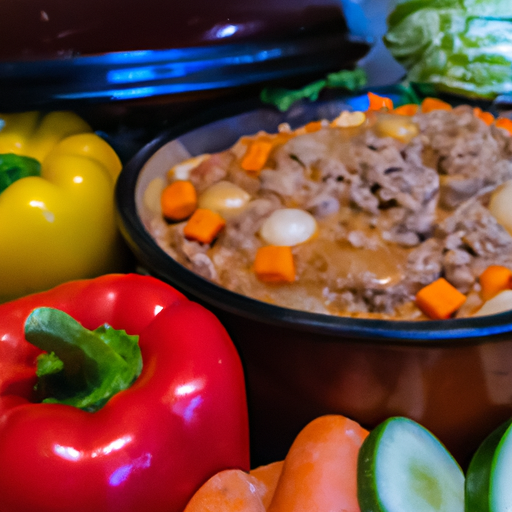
54,52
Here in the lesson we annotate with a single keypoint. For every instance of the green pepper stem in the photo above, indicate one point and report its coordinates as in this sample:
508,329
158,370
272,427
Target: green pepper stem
14,167
82,368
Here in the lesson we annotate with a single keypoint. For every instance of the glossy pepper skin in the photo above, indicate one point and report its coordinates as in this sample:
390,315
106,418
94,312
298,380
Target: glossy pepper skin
58,226
152,445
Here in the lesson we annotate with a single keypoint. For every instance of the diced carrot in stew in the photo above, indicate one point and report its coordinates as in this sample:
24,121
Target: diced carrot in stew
379,102
256,156
439,300
430,104
495,279
313,126
178,200
320,469
203,226
274,264
505,123
486,117
410,109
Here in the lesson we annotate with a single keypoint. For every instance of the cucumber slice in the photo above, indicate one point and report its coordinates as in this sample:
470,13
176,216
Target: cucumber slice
488,482
402,467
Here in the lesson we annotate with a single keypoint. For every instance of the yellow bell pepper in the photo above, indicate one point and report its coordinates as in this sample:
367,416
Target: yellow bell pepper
59,225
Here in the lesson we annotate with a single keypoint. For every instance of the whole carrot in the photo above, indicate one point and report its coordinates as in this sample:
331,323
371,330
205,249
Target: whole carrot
231,490
320,470
269,476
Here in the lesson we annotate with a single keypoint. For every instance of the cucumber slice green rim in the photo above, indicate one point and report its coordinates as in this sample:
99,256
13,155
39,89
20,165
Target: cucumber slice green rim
488,482
402,467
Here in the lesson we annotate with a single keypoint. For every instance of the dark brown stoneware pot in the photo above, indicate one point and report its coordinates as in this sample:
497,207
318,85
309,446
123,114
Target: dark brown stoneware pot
452,376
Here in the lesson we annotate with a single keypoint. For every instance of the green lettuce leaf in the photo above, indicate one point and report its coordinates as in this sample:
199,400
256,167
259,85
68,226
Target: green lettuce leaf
462,46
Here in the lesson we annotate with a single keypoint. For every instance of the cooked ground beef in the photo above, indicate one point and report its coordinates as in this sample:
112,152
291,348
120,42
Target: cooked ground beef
393,215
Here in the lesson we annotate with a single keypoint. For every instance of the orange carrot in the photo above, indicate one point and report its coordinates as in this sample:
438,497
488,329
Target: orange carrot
178,200
282,137
313,126
407,110
273,138
486,117
505,123
495,279
379,102
430,104
203,226
274,264
269,476
439,300
320,469
231,490
256,155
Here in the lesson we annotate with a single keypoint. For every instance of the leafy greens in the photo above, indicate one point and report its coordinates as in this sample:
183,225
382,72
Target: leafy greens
282,98
462,46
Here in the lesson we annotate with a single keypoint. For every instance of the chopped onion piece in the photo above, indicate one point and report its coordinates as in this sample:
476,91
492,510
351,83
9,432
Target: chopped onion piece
224,198
182,170
500,205
498,304
151,198
288,227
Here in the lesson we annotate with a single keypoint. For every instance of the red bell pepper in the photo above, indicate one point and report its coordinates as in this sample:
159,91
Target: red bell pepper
152,445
